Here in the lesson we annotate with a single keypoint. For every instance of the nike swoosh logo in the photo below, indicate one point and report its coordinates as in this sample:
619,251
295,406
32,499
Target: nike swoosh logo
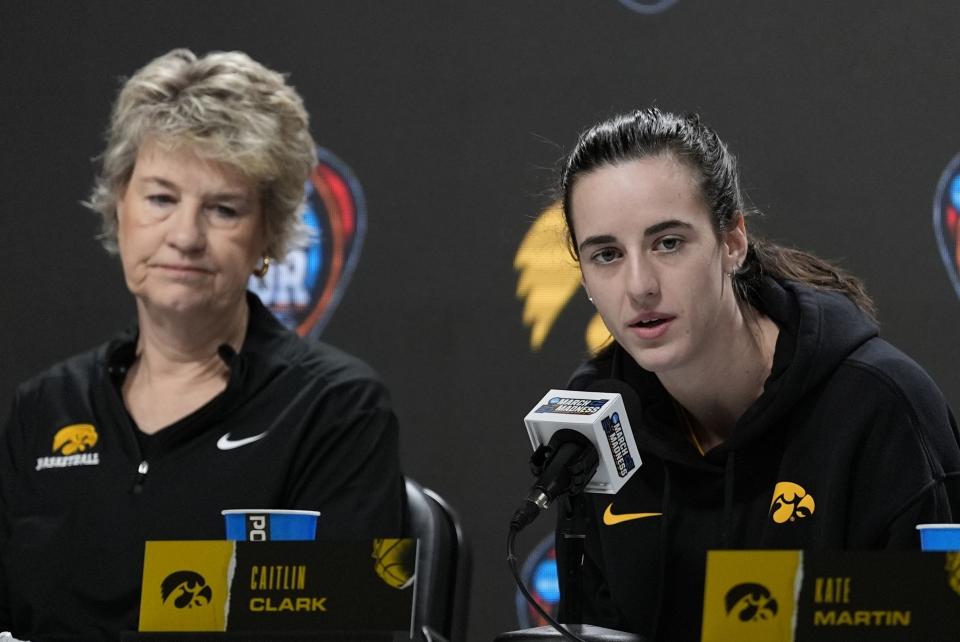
225,443
610,519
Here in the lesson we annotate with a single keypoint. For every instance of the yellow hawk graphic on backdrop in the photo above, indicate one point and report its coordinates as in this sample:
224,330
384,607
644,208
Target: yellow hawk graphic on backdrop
549,277
74,438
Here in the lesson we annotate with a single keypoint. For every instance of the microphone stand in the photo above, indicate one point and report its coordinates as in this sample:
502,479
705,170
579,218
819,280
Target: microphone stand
570,553
571,528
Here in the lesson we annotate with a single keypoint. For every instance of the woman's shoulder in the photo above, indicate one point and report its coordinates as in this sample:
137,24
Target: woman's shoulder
881,366
886,393
315,367
322,359
276,346
73,373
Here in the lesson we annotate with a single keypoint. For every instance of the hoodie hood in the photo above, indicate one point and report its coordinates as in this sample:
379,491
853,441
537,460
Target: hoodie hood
818,330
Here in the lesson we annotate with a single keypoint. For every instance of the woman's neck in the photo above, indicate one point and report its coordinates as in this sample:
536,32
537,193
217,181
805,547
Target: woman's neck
719,388
171,344
178,366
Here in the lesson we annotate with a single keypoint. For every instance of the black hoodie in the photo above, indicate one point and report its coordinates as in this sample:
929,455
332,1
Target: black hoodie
849,446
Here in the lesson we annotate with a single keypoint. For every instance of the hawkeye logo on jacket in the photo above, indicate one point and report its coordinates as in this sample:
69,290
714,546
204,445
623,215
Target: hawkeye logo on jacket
72,446
790,503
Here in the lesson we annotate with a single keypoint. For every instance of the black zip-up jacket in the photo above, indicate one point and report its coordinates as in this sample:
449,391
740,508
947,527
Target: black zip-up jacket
300,425
849,446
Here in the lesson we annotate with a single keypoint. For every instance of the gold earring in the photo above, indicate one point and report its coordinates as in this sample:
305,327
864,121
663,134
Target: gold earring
261,271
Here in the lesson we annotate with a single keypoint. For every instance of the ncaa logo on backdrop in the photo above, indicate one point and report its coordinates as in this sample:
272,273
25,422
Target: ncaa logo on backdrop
304,289
648,6
946,212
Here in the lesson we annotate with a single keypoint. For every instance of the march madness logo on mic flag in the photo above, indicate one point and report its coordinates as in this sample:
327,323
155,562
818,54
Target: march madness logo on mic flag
946,220
304,289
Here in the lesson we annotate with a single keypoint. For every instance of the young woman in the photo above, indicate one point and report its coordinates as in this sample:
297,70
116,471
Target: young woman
773,415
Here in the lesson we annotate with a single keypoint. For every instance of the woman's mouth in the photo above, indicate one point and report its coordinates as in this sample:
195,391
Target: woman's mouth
650,327
649,323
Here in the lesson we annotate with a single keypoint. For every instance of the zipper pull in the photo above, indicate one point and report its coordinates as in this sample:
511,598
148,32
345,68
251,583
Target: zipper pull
141,476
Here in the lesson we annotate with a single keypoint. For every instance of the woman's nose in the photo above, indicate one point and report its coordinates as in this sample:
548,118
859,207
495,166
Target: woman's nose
642,280
187,228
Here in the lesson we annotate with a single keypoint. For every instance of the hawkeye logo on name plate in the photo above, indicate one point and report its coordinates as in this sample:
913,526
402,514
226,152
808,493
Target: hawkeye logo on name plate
73,445
185,590
185,586
304,289
750,596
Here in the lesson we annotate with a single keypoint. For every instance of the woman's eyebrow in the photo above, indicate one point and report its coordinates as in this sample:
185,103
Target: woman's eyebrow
599,239
656,228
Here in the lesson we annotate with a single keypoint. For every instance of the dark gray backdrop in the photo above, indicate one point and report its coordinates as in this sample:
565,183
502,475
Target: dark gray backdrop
453,115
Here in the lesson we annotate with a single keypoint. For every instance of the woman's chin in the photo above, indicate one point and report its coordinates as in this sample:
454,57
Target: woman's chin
187,304
656,360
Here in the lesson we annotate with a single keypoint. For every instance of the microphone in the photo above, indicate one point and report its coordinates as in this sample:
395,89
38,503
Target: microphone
582,441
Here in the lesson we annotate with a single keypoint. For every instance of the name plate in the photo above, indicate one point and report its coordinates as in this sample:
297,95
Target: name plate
796,596
278,586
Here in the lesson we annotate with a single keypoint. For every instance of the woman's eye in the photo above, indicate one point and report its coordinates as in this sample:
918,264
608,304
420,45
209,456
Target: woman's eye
669,244
606,255
225,211
160,199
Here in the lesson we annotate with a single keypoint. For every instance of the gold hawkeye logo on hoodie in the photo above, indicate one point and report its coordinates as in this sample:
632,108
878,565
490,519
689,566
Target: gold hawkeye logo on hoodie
790,503
70,447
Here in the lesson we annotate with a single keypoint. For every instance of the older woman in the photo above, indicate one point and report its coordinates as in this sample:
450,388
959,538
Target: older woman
208,403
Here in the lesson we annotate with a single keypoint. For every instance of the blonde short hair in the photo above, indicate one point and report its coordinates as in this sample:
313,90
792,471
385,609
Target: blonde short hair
228,108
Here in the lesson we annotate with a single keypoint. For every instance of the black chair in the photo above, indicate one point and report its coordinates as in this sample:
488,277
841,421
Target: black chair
443,566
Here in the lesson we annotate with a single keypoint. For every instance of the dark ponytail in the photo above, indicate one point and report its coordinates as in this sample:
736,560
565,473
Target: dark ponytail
651,132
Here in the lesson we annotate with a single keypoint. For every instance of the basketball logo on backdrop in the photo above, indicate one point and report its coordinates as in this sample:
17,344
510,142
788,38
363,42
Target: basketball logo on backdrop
648,6
185,590
952,568
304,289
395,561
946,212
549,277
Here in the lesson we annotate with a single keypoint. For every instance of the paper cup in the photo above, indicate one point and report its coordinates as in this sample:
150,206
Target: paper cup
939,537
262,525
